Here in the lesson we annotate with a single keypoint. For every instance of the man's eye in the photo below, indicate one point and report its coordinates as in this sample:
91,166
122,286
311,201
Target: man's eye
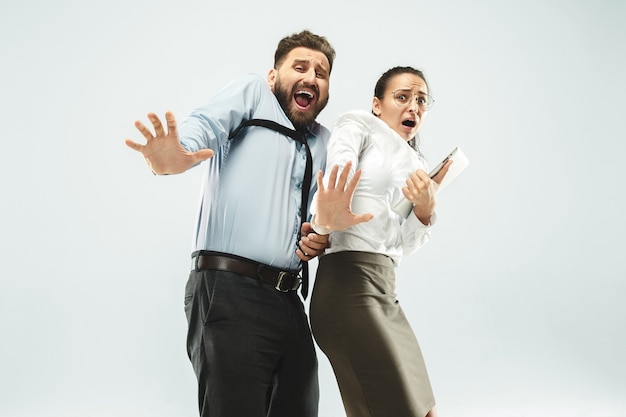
421,100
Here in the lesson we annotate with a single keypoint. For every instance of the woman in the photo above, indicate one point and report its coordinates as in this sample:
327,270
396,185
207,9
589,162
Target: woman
355,317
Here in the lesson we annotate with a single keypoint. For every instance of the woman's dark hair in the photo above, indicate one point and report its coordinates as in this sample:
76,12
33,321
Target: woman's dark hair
305,39
381,87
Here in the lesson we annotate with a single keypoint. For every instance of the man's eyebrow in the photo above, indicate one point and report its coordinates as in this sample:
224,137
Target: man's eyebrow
301,61
308,62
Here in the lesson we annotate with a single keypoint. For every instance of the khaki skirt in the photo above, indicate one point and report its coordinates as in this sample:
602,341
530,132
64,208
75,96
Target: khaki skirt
360,326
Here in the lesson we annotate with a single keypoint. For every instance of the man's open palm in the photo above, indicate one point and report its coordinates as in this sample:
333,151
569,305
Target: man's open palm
163,151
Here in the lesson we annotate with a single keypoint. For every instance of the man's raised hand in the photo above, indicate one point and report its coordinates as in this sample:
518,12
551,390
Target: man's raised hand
163,151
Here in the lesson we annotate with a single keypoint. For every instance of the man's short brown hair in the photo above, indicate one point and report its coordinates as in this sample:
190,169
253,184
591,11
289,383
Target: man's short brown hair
305,39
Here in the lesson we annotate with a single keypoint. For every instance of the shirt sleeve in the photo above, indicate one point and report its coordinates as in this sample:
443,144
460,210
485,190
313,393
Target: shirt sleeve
345,144
210,125
414,233
348,138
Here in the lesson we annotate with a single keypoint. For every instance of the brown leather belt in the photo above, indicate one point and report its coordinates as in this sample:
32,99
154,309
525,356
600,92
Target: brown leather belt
283,281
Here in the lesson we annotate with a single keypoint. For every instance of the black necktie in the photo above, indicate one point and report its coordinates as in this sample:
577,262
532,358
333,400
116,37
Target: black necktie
306,181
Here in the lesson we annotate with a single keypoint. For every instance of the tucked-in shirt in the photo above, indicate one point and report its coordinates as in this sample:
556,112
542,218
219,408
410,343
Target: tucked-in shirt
252,190
386,161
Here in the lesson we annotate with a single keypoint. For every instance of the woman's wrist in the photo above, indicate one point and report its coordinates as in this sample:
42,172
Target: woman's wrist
320,230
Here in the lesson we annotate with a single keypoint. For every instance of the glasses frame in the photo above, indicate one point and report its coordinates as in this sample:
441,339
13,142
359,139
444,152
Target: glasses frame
422,106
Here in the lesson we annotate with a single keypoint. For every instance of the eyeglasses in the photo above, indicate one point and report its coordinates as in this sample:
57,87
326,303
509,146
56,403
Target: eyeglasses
403,97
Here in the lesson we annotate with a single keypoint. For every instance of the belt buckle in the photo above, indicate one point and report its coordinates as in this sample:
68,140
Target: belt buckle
281,276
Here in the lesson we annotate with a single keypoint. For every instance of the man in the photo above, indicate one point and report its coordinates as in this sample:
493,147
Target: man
249,340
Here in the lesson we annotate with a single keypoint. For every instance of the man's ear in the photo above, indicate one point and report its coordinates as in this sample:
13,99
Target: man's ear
271,78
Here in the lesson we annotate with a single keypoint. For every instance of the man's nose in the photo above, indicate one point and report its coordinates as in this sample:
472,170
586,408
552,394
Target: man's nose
310,76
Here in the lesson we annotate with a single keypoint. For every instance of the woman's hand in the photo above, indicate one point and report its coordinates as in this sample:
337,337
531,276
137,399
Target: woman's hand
333,202
421,190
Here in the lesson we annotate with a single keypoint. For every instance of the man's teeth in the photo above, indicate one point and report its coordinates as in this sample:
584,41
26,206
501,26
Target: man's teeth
303,98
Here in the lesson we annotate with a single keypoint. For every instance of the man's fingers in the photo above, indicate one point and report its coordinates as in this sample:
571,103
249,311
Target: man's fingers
144,130
315,241
156,122
312,248
132,145
172,129
305,256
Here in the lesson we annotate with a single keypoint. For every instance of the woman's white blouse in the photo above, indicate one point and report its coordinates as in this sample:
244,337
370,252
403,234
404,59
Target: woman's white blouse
386,161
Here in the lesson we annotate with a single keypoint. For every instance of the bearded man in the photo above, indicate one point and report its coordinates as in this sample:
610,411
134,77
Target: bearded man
249,339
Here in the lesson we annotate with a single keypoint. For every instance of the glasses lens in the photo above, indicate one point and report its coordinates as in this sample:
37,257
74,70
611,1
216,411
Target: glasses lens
423,102
402,97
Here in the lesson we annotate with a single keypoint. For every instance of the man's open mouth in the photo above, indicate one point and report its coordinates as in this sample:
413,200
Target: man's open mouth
303,98
409,123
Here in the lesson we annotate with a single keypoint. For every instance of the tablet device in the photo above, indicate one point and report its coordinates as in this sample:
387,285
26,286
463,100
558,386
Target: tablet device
436,169
460,162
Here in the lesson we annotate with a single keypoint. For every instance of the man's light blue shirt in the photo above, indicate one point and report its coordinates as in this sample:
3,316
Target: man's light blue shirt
251,194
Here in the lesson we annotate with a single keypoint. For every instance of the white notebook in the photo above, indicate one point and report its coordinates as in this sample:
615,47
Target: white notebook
461,162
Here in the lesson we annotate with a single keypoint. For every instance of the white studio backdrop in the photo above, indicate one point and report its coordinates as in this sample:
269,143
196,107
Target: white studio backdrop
516,301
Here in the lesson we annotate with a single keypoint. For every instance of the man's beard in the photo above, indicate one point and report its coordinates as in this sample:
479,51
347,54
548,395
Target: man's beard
298,118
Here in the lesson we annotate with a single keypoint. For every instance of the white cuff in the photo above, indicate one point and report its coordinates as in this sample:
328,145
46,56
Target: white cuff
320,230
